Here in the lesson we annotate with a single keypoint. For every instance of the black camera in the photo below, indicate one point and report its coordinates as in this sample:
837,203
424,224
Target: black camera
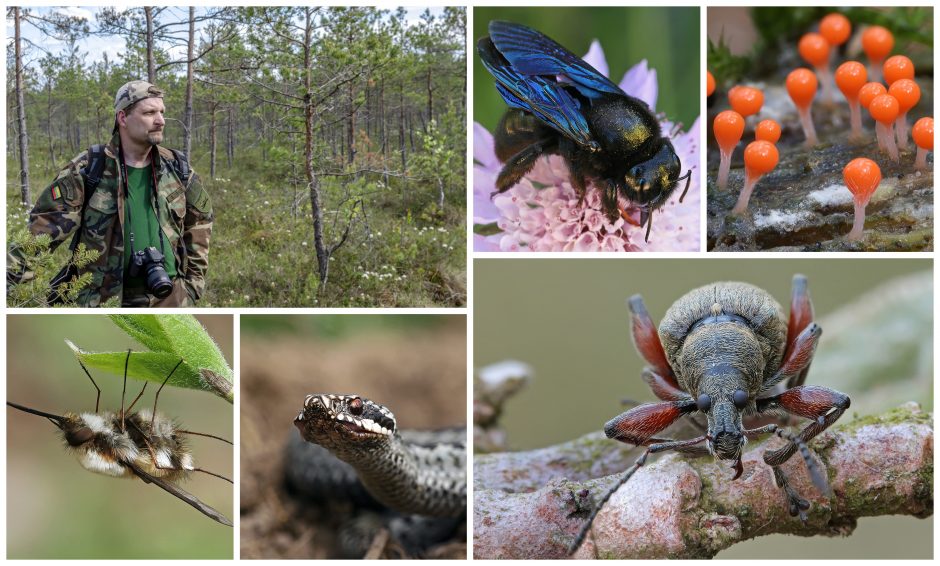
148,263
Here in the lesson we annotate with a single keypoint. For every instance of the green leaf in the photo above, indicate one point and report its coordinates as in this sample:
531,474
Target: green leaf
142,366
172,338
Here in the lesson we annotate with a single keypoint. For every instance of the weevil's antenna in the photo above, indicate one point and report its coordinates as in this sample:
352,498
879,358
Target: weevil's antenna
124,390
54,419
157,396
98,398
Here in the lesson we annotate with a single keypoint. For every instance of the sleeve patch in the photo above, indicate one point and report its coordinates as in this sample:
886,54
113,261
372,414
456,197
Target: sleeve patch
56,193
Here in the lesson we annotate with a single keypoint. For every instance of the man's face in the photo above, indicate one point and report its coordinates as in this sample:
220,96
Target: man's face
144,122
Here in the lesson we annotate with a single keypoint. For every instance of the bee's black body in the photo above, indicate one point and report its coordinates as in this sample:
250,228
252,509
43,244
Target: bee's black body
561,105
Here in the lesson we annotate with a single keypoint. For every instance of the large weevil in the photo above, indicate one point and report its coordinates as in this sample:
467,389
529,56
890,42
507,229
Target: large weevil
725,350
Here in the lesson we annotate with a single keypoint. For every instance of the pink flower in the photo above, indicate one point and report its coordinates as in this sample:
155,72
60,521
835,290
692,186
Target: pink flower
541,212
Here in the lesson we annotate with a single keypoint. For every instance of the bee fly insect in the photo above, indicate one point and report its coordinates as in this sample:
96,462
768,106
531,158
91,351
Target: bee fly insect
142,444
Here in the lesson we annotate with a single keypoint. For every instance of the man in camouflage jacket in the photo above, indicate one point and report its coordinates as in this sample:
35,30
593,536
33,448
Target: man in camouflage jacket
183,210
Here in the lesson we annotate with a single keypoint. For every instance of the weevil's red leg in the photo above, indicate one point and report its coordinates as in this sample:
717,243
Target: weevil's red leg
801,315
821,404
662,388
646,339
639,424
798,357
679,445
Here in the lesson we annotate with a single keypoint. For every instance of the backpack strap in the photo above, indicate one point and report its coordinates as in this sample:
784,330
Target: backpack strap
91,177
181,166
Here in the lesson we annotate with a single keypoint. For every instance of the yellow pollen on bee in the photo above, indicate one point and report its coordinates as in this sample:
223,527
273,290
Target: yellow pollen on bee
636,135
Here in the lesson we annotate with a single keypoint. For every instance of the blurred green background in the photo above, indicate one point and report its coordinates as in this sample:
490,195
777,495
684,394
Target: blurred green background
338,326
668,38
55,508
568,319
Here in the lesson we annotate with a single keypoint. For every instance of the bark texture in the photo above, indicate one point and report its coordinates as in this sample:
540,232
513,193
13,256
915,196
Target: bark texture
532,504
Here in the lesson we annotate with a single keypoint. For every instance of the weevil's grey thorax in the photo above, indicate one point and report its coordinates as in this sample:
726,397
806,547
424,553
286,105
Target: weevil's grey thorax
726,323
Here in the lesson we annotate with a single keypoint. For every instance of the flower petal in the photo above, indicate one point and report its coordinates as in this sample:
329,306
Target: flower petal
595,58
483,148
484,183
640,81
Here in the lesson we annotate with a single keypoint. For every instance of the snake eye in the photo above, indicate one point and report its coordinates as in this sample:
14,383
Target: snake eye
704,402
355,406
739,398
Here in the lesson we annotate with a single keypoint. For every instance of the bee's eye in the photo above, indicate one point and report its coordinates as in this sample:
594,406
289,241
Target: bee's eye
739,398
355,406
704,402
79,437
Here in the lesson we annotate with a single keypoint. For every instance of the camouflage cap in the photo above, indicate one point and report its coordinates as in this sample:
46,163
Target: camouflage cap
134,92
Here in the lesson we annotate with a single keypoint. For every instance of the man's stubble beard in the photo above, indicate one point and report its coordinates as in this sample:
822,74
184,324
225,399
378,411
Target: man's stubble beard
155,138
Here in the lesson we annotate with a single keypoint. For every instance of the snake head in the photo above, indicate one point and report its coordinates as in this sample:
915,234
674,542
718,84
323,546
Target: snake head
334,420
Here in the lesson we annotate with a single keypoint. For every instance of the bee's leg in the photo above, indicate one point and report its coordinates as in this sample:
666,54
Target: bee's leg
646,340
654,445
520,164
801,316
139,395
98,398
157,395
156,463
127,361
578,181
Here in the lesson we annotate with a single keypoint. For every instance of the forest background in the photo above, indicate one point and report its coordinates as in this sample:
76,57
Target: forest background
331,140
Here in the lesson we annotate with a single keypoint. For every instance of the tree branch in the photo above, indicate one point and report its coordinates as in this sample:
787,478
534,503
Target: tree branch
532,504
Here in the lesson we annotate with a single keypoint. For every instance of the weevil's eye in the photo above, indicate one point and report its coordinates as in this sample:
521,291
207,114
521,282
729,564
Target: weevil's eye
739,398
355,406
704,402
79,437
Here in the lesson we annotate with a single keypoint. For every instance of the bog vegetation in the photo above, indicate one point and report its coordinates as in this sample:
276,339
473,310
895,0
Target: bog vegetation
331,140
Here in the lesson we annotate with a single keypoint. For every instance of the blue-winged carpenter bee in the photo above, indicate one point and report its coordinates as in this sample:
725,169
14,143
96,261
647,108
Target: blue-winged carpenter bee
558,104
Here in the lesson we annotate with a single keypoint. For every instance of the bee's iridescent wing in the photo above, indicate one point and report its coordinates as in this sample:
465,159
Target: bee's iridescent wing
531,53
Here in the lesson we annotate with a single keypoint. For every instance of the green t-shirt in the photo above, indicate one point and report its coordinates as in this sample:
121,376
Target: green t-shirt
141,220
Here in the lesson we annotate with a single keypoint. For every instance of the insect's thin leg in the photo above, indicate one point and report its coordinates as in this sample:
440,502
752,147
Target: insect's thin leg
98,398
213,474
124,390
796,504
519,165
157,395
139,395
652,449
181,431
821,404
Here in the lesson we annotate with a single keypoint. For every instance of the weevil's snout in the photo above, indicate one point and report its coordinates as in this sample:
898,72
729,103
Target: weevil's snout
728,445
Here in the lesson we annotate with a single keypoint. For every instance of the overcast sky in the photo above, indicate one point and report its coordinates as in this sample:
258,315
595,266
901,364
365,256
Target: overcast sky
95,47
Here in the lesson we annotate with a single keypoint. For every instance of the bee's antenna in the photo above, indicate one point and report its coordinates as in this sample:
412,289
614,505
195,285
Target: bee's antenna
123,391
98,398
649,226
688,181
179,430
157,396
55,419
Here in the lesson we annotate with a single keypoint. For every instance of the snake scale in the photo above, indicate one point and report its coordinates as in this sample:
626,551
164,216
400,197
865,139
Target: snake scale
411,472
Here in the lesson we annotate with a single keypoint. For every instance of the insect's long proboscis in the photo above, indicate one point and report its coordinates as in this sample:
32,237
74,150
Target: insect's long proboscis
56,419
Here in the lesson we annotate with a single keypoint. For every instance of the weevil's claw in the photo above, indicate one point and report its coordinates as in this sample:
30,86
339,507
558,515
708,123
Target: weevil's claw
738,468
